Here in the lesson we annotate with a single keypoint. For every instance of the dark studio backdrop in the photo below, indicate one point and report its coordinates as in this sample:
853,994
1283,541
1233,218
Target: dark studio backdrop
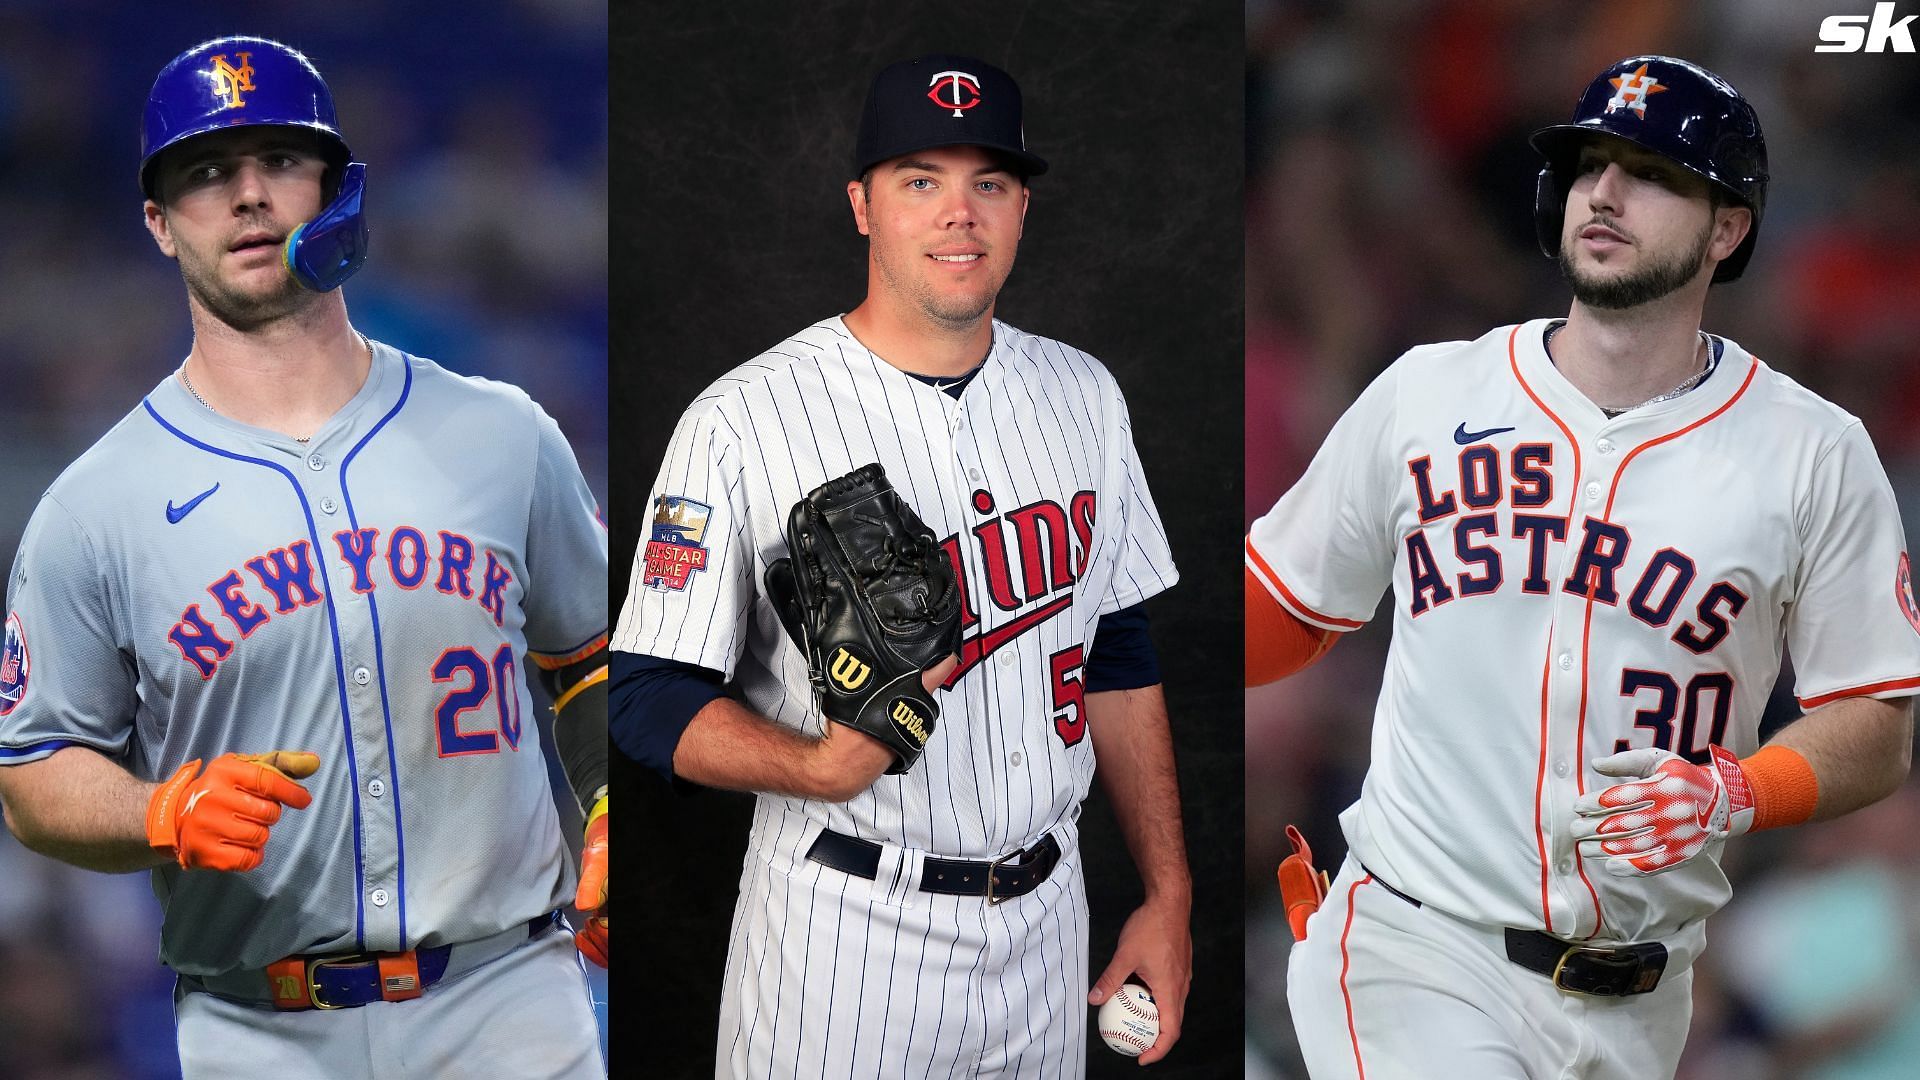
730,230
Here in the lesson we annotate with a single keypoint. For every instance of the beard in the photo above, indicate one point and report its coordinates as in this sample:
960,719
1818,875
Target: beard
1655,279
242,309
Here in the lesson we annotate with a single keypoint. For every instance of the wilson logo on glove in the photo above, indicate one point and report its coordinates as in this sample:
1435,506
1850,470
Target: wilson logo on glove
909,723
869,598
848,671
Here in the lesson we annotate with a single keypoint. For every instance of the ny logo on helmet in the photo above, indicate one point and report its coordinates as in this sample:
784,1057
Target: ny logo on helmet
229,81
963,91
1631,91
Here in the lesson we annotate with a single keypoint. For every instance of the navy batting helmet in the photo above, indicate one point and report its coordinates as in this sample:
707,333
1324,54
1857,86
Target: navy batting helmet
1674,108
253,82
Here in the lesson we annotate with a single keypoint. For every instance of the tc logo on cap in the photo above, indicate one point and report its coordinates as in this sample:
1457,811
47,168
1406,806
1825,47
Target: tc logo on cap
956,90
1631,91
229,81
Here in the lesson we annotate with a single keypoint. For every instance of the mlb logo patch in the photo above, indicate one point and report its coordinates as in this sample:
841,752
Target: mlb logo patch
675,550
14,665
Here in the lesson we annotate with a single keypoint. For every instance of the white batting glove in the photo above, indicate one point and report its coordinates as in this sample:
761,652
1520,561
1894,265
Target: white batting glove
1667,815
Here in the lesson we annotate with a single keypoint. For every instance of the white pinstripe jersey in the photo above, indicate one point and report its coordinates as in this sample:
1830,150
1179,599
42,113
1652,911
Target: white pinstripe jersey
1567,585
1031,479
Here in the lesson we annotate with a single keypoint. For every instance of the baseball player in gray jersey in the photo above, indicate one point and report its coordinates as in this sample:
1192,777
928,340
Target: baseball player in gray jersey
266,637
931,920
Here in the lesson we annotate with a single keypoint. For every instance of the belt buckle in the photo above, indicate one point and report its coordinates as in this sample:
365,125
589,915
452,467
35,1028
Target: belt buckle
993,877
1609,958
316,963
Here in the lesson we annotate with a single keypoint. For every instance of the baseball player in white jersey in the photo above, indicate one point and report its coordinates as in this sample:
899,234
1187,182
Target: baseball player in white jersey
266,638
933,921
1599,534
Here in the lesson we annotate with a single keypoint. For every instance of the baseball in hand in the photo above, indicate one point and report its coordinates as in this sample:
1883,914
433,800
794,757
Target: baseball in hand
1130,1021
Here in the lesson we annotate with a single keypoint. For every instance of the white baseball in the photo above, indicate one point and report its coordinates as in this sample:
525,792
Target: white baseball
1130,1021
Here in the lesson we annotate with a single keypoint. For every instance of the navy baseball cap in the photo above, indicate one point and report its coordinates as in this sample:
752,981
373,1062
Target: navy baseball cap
942,100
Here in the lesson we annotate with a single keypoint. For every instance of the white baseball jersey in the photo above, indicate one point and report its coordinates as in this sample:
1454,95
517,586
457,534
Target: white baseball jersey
1031,478
193,586
1566,585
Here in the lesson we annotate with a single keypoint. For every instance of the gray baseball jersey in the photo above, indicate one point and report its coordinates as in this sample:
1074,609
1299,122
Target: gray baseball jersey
192,586
1032,480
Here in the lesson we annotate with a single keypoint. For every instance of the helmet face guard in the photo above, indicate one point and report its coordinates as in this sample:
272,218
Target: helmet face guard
253,82
1676,109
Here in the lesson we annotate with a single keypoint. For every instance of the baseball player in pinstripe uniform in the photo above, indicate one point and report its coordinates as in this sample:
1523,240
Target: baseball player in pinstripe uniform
266,638
935,920
1599,532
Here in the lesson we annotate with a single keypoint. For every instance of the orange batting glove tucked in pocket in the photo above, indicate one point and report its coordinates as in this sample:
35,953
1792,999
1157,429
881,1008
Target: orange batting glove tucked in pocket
219,820
1302,888
591,897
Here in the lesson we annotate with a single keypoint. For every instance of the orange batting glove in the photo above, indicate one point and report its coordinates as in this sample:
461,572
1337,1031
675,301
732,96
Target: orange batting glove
219,821
591,897
1666,815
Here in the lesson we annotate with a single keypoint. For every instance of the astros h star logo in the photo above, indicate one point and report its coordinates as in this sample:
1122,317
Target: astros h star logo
1631,91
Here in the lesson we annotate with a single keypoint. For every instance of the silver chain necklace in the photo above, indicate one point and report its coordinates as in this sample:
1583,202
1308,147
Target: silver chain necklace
1689,383
201,398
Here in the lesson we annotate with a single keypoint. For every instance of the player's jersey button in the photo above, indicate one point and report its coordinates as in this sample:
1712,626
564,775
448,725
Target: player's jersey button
1007,659
1566,662
1605,446
316,462
1593,492
1566,866
328,506
362,676
379,897
974,475
376,787
1016,758
1559,768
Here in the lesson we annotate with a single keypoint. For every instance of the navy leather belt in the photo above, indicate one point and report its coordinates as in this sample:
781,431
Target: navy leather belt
354,979
999,879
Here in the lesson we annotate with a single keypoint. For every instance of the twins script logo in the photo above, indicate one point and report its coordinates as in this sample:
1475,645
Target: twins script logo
956,90
230,81
1631,91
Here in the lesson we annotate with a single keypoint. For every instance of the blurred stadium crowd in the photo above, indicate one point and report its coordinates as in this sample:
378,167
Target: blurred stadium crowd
484,125
1389,203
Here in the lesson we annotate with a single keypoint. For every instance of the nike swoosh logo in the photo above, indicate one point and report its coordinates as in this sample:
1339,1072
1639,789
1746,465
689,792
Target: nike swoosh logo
1467,438
193,802
976,649
175,513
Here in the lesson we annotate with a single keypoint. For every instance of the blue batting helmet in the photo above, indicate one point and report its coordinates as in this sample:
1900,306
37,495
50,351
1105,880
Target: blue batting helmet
253,82
1674,108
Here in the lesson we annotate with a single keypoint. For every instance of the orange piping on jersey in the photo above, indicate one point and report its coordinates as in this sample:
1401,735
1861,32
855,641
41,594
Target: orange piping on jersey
1267,575
555,663
1345,962
1858,691
1546,670
1586,628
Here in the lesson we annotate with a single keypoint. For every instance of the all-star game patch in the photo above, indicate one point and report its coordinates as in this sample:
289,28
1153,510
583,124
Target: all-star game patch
13,665
675,550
